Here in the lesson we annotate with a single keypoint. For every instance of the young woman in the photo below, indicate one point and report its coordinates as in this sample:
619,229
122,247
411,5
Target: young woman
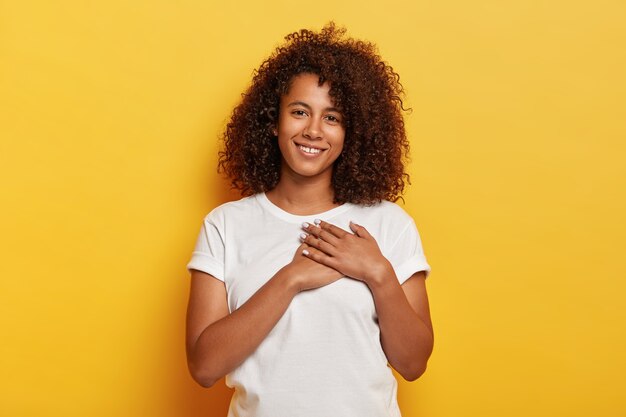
304,291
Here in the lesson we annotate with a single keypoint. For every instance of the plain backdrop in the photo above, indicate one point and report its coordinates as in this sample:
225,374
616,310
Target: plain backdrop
110,113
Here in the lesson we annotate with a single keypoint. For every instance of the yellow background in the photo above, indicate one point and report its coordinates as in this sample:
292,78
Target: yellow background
109,113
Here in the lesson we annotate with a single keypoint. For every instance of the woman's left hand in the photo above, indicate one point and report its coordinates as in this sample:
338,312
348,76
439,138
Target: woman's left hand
355,255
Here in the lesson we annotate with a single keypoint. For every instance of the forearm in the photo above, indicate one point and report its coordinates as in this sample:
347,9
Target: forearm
406,337
226,343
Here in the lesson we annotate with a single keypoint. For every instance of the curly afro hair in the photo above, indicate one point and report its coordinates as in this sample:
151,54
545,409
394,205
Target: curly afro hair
365,88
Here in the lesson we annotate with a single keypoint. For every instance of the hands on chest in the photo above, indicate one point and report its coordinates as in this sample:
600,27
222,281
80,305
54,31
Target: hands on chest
329,252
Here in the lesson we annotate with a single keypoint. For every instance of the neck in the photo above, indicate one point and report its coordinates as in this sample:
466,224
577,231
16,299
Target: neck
302,197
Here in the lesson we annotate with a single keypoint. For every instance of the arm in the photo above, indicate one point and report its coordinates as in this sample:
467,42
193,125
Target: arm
403,312
405,325
217,342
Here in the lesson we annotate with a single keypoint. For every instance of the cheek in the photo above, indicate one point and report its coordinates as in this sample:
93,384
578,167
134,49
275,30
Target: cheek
282,145
289,129
340,140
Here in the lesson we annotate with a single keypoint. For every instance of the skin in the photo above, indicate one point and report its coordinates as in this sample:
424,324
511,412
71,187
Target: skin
217,342
307,117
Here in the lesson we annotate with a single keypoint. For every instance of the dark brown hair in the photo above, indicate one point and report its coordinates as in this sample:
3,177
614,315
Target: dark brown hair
365,88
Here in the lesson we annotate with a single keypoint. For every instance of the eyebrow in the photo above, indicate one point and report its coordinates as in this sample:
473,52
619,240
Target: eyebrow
303,104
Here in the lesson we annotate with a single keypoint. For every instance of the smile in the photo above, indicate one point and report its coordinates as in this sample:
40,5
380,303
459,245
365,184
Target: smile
306,149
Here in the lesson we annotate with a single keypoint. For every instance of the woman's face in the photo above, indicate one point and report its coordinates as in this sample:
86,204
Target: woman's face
310,130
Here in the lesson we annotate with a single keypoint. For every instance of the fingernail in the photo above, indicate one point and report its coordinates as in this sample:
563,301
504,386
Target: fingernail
305,225
317,221
303,236
305,252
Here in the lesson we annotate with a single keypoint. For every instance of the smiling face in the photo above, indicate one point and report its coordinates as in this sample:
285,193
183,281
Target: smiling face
310,130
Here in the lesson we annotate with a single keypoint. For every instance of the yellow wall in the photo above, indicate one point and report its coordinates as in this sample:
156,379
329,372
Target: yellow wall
109,113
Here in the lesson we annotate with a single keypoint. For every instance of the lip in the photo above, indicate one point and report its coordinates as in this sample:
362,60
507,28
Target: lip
309,145
306,145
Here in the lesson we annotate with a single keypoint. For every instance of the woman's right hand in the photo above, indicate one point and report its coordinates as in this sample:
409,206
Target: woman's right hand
308,274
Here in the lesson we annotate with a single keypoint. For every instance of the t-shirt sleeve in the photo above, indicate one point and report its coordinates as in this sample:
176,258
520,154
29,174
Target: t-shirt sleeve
407,255
208,255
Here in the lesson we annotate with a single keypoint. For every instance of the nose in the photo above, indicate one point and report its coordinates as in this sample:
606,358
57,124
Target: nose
312,130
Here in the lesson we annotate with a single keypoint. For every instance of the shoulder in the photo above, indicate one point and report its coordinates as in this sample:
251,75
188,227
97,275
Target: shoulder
385,212
232,210
386,221
393,209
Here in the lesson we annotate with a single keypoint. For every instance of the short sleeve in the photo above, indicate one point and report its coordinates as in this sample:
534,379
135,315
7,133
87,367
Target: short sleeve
208,255
407,255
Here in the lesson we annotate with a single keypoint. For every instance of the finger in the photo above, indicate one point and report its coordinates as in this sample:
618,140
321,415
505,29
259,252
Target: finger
320,233
359,230
334,230
319,257
327,236
302,247
319,244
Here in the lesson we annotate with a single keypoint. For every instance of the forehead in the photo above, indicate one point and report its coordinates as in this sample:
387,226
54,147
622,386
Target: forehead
306,87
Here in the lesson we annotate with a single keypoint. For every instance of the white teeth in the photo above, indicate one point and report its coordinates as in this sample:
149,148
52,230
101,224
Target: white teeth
309,150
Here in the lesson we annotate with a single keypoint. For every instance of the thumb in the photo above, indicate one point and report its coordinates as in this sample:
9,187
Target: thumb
359,230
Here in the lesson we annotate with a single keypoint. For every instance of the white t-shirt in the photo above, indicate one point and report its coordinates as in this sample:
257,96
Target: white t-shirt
323,358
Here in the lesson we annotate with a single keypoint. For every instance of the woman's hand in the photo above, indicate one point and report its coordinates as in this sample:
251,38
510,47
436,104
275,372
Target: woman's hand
403,314
309,274
355,255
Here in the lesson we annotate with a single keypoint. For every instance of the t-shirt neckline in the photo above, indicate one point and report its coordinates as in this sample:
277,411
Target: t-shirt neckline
296,218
